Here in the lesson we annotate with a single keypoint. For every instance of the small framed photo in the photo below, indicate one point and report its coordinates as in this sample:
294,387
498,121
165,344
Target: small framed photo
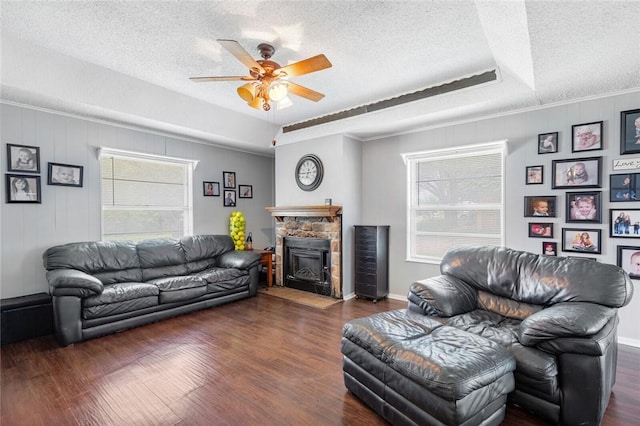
584,207
540,206
549,248
630,132
65,175
547,143
211,189
23,158
629,260
581,240
534,175
229,198
577,172
624,187
245,191
624,223
586,137
229,179
23,189
541,230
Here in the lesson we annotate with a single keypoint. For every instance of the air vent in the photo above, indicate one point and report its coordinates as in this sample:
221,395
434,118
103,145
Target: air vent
463,83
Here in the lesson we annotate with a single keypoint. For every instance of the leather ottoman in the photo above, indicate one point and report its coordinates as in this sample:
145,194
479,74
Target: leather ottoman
413,370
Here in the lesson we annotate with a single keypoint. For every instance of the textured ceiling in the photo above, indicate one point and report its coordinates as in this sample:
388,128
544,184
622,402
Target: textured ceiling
544,51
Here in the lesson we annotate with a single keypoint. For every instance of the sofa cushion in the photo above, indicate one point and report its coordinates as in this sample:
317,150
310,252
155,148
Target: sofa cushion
108,261
489,325
202,251
120,298
163,257
176,289
506,307
538,280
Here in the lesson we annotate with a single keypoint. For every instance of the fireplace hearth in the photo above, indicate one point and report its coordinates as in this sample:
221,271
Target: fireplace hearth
307,264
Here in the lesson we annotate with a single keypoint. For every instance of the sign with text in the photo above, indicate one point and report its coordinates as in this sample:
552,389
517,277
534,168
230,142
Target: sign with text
626,164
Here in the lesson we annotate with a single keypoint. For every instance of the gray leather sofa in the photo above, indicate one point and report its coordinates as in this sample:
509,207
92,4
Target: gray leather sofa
104,287
557,316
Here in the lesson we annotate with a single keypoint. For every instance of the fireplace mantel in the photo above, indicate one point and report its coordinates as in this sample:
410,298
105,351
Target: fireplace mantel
280,212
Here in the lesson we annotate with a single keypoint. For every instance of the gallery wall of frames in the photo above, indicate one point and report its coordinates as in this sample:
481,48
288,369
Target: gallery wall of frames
576,183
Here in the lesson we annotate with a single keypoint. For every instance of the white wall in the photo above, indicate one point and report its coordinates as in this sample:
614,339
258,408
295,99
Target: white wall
384,197
341,158
73,214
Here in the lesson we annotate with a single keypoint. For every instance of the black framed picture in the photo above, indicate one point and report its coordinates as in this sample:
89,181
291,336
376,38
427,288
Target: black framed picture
229,179
624,187
624,223
584,207
630,132
23,158
211,189
534,175
582,240
229,198
577,172
629,259
549,248
22,188
245,191
586,137
65,175
541,230
540,206
547,143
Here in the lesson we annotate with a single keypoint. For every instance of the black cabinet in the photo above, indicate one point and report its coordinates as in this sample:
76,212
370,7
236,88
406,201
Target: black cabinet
371,255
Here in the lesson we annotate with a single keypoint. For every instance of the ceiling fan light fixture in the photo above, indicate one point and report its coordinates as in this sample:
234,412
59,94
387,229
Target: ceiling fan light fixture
256,103
278,91
247,92
284,103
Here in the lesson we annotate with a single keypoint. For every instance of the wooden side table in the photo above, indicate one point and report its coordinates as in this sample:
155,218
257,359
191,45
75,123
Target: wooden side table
266,259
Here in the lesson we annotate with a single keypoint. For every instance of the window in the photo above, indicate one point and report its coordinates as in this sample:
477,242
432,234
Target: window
455,197
145,196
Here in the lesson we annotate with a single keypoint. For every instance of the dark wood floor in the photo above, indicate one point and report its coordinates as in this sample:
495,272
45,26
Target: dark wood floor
261,361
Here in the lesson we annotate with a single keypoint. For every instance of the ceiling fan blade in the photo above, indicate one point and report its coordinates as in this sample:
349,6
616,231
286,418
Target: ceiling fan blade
242,55
223,78
304,92
315,63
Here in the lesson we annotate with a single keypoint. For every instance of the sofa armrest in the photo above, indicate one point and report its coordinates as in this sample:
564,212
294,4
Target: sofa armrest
442,296
71,282
239,259
567,319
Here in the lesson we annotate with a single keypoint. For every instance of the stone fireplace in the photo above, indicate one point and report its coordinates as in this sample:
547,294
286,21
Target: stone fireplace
311,223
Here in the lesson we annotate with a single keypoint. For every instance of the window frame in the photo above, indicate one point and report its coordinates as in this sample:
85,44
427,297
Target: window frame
413,158
190,166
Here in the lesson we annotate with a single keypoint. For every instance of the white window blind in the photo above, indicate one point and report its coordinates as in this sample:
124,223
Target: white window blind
456,197
145,196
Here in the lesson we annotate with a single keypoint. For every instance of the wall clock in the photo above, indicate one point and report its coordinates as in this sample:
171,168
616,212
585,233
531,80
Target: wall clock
309,172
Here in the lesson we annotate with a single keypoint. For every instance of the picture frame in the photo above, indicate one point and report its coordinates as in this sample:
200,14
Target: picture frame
628,258
229,180
630,131
540,230
577,173
23,188
582,240
65,175
583,207
210,189
549,248
534,175
587,137
229,198
23,158
621,226
245,191
540,206
547,143
623,187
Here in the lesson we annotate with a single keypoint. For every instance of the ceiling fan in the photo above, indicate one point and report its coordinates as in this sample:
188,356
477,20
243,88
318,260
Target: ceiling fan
268,81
